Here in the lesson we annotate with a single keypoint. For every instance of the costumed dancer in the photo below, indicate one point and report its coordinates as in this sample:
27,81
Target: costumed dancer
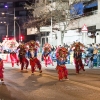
14,58
1,70
32,55
46,54
22,53
61,56
77,48
12,44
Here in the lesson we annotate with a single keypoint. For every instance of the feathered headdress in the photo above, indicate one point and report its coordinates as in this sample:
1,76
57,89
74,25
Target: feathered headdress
77,45
61,52
21,46
33,44
47,47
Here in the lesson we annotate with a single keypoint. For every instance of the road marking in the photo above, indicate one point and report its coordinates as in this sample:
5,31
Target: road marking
72,82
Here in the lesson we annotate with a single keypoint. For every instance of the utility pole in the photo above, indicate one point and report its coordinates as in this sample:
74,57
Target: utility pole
14,26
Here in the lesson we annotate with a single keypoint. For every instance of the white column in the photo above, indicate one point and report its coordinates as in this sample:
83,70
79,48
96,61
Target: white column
98,6
58,38
84,38
51,25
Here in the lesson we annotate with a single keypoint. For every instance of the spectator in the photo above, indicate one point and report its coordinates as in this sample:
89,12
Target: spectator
52,49
90,50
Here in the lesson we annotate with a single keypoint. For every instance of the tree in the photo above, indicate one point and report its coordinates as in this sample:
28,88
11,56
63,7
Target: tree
42,14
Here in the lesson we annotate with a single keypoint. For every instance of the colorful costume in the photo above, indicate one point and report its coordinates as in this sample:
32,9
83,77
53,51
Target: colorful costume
12,45
32,55
78,56
1,69
23,61
14,58
46,54
61,55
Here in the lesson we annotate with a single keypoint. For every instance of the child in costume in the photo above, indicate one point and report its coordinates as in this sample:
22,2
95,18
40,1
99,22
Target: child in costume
61,55
46,54
78,56
1,70
32,55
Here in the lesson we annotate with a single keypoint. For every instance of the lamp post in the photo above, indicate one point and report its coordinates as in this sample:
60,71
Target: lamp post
14,26
7,29
19,30
51,23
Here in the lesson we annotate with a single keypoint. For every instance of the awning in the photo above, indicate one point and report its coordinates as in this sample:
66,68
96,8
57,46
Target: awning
93,4
77,9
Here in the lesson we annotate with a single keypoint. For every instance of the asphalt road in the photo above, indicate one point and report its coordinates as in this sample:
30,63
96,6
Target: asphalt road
25,86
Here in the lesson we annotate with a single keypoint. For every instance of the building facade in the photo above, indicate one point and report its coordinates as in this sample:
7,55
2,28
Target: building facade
83,12
11,10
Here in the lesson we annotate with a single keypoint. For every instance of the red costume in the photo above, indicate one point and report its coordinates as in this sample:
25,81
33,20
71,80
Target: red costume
14,58
78,56
1,69
32,55
22,53
46,54
61,55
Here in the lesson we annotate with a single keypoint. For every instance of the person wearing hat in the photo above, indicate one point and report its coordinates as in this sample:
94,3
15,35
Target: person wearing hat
78,56
32,55
14,58
61,56
46,54
22,53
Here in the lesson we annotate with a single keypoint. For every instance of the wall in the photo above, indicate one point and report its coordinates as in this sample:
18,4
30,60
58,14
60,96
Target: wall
71,36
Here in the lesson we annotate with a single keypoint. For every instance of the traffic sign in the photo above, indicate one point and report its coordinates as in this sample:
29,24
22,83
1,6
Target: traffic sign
84,28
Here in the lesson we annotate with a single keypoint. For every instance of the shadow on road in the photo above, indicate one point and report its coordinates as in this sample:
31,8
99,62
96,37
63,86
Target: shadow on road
5,93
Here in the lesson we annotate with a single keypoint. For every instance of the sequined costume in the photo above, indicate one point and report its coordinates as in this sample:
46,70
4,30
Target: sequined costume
1,70
32,55
23,61
46,54
14,58
78,56
61,56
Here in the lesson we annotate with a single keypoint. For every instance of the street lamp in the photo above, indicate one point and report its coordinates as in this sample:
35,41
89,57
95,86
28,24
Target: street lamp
19,30
7,28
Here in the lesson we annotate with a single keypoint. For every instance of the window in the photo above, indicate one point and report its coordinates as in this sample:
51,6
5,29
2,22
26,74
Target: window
22,13
91,8
10,4
2,5
21,4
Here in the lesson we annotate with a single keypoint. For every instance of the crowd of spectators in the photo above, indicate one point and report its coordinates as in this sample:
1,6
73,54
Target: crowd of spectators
90,55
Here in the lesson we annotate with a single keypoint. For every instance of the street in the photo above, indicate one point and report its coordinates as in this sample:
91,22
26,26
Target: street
46,86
